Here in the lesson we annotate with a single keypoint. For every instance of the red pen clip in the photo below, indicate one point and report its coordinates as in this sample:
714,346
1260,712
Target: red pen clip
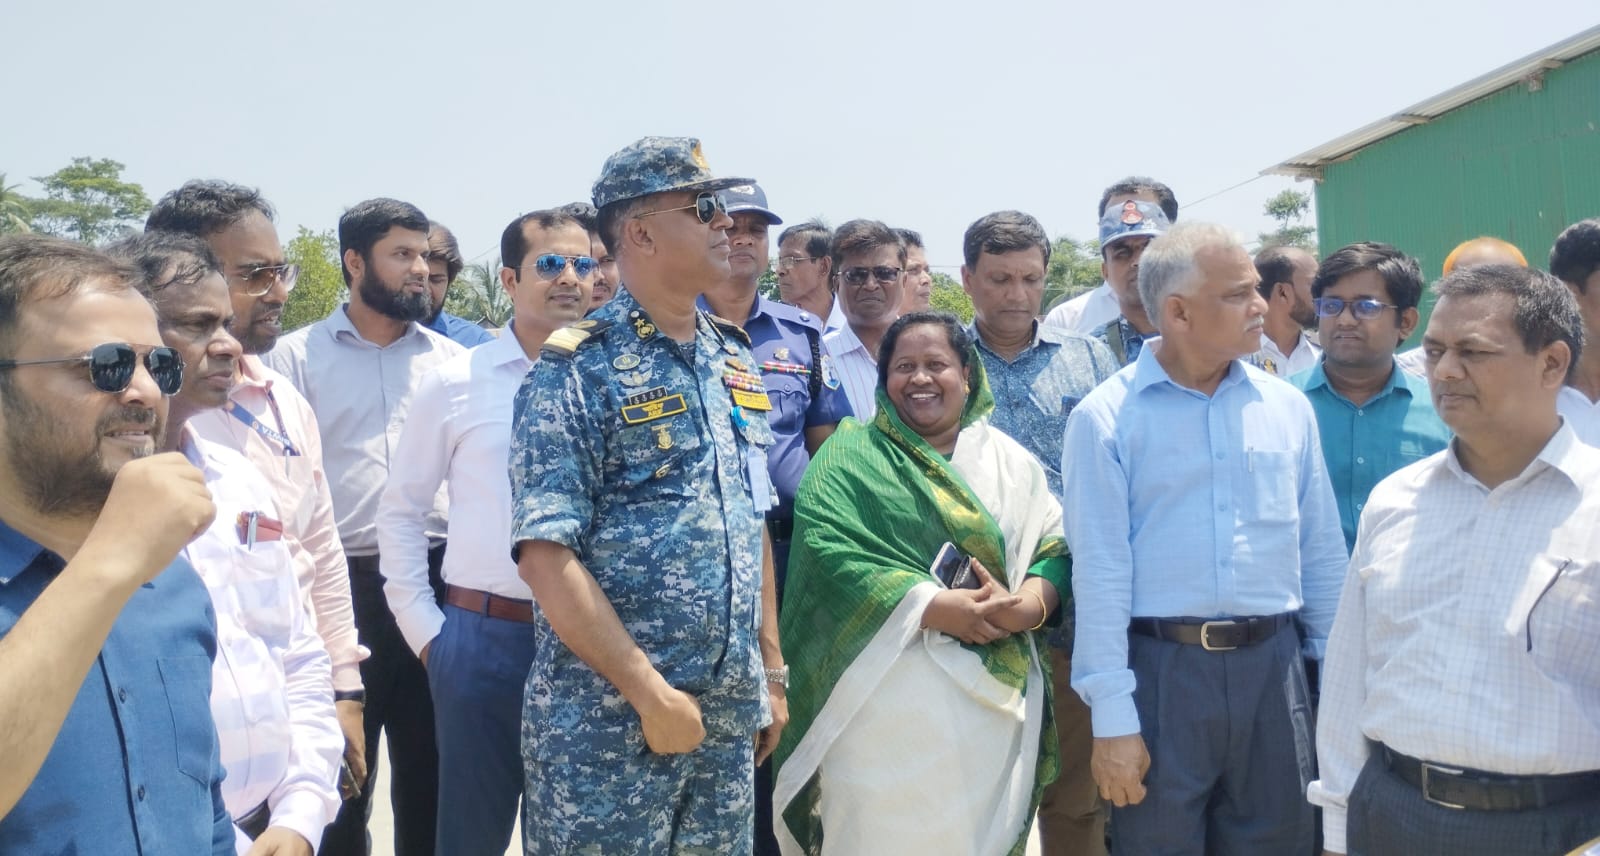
254,526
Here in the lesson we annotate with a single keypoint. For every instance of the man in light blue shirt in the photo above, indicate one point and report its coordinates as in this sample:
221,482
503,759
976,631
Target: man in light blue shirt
1204,536
1373,418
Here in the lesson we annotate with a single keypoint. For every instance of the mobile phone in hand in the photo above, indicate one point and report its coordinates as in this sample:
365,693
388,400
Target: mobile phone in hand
954,569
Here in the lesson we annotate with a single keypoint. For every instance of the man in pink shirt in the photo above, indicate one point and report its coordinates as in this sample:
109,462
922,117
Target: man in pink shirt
271,423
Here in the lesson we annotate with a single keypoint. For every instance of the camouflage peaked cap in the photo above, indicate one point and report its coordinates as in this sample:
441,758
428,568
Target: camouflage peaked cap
657,165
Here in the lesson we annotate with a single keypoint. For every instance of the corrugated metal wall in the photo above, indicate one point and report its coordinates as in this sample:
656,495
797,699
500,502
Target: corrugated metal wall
1517,165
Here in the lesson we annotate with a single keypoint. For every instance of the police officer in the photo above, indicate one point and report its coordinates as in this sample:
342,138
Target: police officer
807,398
639,487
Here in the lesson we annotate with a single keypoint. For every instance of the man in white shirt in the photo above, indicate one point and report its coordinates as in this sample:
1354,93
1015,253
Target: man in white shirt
1575,260
1286,348
359,368
272,684
1437,730
1087,312
269,422
479,645
869,262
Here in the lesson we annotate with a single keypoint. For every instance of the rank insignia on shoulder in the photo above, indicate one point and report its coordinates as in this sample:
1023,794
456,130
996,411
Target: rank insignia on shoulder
643,328
730,328
564,342
651,410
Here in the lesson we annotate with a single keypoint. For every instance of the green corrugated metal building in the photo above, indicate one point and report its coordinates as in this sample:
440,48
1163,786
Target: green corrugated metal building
1514,154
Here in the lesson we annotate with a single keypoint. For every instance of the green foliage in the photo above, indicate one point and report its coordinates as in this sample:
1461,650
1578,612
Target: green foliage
321,286
1289,208
948,296
14,208
1074,269
88,201
477,296
766,284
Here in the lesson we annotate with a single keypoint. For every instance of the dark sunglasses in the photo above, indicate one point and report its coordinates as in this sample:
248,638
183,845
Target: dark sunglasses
857,276
1364,309
111,366
259,279
706,206
550,265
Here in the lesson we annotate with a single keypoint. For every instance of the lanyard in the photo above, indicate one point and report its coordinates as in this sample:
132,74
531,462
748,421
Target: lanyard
279,436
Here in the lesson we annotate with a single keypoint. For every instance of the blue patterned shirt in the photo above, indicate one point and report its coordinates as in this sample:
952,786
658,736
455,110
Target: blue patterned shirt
1035,392
1363,445
630,451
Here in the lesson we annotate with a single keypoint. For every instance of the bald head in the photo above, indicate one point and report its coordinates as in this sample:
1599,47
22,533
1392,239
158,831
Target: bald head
1483,251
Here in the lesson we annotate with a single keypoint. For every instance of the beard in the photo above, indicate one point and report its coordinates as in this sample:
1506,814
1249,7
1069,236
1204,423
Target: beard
1304,314
398,304
57,480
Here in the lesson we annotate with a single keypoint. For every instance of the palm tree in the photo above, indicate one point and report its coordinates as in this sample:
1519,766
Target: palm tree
14,214
476,295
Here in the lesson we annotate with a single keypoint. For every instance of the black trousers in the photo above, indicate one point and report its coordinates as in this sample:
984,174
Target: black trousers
399,703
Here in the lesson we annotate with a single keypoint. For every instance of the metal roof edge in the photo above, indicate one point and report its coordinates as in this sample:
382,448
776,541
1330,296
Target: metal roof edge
1309,164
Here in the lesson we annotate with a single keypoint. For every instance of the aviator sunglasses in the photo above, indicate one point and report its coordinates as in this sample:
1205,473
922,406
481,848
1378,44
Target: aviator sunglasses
707,206
111,366
858,276
1364,309
259,279
550,265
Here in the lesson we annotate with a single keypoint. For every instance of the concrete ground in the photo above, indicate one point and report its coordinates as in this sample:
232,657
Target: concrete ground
382,824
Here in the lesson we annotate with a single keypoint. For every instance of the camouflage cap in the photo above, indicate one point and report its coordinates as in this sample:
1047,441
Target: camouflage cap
657,165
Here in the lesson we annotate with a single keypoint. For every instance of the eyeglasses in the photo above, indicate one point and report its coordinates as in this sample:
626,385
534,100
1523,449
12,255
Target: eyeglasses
1333,307
857,276
706,206
787,262
111,366
259,279
916,270
550,265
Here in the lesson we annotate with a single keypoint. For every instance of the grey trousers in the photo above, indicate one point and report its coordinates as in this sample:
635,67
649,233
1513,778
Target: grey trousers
1230,742
1388,816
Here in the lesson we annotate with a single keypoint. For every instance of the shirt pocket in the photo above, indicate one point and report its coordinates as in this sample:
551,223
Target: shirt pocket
657,458
186,681
1272,484
265,590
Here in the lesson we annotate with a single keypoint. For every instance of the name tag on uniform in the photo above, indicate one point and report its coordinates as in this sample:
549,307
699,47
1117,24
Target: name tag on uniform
762,495
652,405
752,400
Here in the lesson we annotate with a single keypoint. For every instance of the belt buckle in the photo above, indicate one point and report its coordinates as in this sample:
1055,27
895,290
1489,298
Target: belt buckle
1205,635
1426,790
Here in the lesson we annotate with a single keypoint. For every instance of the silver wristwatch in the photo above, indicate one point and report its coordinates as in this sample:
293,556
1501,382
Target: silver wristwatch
779,676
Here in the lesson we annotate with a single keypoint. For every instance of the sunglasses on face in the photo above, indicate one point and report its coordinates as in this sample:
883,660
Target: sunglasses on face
111,366
1364,309
259,279
858,276
707,206
550,265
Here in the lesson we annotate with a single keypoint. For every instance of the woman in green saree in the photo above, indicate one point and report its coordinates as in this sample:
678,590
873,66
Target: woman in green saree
918,714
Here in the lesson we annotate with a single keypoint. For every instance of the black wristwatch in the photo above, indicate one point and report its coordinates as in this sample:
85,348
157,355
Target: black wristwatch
351,695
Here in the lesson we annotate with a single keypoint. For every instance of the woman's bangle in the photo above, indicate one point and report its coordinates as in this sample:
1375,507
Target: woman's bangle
1044,611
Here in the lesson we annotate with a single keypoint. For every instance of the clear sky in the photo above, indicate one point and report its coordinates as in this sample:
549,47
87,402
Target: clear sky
926,115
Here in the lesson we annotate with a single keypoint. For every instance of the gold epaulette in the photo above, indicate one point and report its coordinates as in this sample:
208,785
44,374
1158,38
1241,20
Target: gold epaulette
727,326
564,342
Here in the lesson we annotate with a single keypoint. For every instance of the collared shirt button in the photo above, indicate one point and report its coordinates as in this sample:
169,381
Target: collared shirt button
1360,412
1360,505
122,694
1221,455
1361,460
140,793
1222,506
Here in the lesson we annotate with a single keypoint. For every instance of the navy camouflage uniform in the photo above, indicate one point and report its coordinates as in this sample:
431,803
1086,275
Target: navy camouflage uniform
630,449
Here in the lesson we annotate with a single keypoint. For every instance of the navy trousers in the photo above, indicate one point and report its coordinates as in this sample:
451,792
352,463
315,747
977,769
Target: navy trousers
1230,741
477,666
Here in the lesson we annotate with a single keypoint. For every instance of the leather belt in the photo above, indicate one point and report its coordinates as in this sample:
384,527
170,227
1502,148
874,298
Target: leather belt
255,821
780,528
492,605
1477,790
362,564
1222,634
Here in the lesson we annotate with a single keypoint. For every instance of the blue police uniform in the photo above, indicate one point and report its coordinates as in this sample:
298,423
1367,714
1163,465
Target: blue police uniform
648,458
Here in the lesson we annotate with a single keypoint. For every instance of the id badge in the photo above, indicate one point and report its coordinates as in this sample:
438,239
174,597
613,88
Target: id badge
761,494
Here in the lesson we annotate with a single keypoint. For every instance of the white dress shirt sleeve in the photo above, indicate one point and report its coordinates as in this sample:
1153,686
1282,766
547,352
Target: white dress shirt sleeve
425,447
1341,746
307,798
1095,510
1323,559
